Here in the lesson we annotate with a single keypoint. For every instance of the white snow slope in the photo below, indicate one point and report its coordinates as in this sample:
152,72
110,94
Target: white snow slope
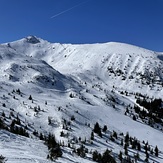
94,76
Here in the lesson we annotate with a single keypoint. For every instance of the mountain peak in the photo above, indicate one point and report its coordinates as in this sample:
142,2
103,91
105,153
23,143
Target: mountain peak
32,39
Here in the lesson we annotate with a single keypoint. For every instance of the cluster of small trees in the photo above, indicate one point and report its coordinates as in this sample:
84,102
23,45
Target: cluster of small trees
116,72
152,114
2,159
17,129
2,124
15,126
106,156
127,142
135,144
148,150
154,107
81,151
54,148
103,158
98,130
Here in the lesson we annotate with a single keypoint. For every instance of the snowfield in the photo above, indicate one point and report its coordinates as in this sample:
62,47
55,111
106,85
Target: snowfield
73,87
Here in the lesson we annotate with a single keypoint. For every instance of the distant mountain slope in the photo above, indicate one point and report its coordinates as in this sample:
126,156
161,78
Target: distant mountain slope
116,64
20,68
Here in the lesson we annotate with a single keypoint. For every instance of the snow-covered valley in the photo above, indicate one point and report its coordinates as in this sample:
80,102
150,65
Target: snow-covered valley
66,89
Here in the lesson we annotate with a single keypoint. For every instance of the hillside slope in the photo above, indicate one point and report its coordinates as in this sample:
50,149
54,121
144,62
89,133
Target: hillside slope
115,62
66,89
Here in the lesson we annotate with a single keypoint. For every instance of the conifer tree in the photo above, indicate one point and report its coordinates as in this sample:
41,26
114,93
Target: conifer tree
30,97
120,156
95,156
107,158
97,129
92,135
115,135
147,157
126,150
156,151
121,142
3,114
2,125
127,138
105,128
139,146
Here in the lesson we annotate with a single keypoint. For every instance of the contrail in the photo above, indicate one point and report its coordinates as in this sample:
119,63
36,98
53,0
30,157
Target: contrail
54,16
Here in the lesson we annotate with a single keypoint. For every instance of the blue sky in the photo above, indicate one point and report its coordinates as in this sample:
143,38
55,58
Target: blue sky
137,22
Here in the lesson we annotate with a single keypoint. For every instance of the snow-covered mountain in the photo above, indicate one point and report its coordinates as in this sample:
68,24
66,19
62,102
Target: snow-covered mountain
66,89
109,61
